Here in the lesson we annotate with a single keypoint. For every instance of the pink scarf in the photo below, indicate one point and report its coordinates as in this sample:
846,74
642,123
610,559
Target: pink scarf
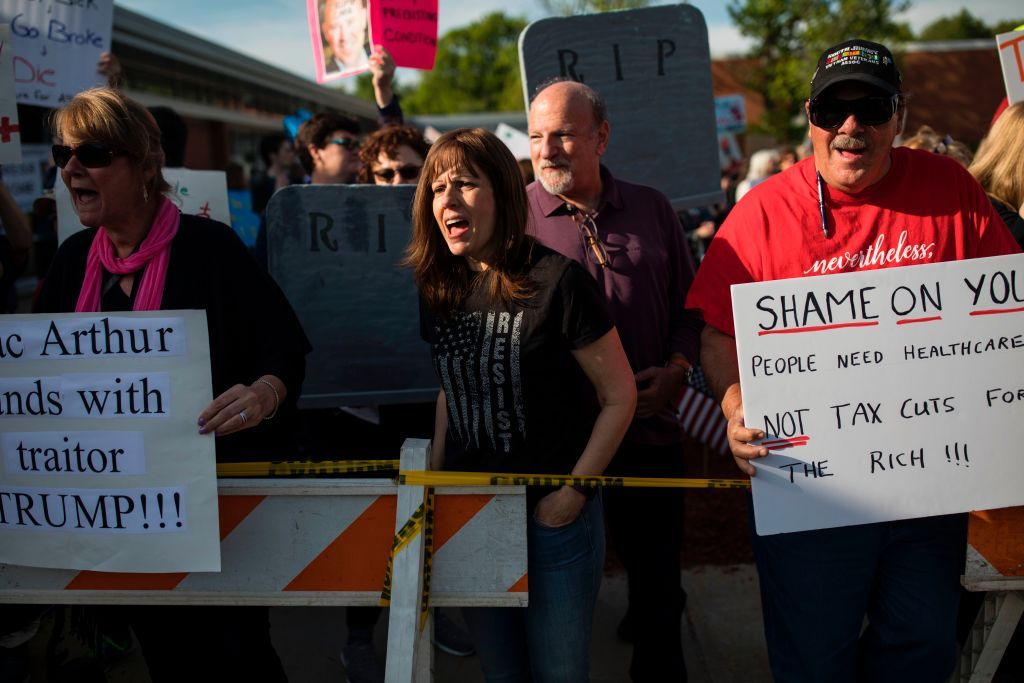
153,254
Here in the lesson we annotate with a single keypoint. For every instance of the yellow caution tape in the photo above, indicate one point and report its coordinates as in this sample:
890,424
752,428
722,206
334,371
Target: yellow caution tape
428,555
412,478
298,468
404,537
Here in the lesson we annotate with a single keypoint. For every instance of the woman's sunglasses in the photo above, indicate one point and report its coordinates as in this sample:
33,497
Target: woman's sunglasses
89,154
870,111
409,172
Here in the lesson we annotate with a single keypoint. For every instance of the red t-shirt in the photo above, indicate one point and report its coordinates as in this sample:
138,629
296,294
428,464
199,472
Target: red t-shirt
926,209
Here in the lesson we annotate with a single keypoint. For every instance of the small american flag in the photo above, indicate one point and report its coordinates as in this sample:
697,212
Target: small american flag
701,416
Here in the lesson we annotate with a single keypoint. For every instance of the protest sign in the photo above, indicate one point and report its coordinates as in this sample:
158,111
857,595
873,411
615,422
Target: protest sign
407,29
730,114
102,465
200,193
885,394
338,30
335,251
10,132
653,68
244,220
516,140
1011,57
25,178
57,44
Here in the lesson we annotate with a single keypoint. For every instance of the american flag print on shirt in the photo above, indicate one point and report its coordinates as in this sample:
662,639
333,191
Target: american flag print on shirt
477,357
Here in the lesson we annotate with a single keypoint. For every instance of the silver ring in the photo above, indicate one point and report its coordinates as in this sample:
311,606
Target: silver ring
245,418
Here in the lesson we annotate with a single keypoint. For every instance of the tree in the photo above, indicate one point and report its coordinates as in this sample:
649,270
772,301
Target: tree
476,70
960,26
568,8
1005,26
790,34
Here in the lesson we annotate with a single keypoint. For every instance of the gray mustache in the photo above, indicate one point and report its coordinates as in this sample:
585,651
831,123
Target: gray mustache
849,142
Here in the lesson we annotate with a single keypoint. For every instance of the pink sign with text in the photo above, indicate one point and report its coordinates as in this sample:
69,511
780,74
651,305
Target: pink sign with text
407,29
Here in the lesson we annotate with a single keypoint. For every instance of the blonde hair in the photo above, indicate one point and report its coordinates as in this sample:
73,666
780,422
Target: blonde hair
999,164
106,116
927,139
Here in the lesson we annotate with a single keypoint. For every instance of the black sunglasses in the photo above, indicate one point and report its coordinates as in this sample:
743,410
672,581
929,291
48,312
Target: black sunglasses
870,111
347,143
409,172
90,154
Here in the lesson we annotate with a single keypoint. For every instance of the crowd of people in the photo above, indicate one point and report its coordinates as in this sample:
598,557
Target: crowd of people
579,315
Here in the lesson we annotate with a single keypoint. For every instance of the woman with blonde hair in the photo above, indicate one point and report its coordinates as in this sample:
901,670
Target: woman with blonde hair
518,334
140,253
999,167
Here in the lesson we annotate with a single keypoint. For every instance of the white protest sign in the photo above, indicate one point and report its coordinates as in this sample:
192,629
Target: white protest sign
885,394
201,193
57,44
516,140
10,132
730,114
25,178
101,463
1011,57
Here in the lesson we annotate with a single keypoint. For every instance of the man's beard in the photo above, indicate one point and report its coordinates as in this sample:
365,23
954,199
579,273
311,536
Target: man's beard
557,182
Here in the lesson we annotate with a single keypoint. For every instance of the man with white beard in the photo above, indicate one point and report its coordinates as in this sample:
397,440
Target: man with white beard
629,239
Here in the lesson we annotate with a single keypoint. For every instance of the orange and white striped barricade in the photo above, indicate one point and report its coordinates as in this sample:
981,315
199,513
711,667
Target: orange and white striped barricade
995,564
327,542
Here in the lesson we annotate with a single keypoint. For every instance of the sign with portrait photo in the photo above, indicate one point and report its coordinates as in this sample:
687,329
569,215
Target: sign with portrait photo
339,31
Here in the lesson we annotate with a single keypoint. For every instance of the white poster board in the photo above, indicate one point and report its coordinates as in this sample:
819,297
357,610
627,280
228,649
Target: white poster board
730,114
516,140
101,463
10,131
886,394
25,178
57,44
201,193
1011,58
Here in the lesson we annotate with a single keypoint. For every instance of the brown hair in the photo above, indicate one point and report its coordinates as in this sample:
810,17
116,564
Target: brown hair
999,163
387,140
315,132
927,139
445,280
106,116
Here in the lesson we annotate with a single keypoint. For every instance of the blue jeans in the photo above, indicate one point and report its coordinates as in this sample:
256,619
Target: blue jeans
817,587
550,639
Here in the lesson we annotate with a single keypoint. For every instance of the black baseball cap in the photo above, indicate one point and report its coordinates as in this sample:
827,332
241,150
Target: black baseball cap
856,60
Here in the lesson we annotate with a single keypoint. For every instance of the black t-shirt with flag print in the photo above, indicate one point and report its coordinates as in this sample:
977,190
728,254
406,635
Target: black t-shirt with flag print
517,399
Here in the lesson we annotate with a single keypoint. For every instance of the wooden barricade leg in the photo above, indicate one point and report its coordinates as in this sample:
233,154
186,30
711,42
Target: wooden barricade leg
989,637
410,655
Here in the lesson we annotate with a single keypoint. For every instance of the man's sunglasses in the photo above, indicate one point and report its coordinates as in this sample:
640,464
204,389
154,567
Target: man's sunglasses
409,172
870,111
347,143
89,154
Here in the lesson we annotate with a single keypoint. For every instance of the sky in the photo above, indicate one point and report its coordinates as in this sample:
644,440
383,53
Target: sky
276,31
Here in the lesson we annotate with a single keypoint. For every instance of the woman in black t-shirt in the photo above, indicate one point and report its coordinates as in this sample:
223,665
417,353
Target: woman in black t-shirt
516,331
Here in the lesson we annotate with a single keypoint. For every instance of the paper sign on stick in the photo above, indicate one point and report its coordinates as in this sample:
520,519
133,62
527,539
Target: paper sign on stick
407,29
57,44
339,32
200,193
1011,57
101,464
10,132
730,114
886,394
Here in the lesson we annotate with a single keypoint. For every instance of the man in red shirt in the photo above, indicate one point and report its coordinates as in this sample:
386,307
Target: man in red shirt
856,204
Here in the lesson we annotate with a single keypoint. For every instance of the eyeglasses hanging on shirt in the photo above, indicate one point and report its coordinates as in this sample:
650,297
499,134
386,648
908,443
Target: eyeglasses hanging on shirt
592,243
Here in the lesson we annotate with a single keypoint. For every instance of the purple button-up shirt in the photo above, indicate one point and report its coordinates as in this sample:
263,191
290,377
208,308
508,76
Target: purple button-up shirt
645,285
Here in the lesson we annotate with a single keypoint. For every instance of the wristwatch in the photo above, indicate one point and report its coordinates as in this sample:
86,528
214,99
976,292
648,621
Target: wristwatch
680,362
